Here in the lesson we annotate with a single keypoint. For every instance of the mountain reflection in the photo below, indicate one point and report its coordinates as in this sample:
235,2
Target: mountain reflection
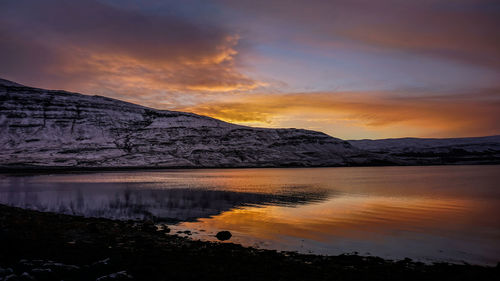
130,201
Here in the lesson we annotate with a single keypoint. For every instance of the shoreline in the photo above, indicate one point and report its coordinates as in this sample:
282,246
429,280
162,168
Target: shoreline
79,248
55,169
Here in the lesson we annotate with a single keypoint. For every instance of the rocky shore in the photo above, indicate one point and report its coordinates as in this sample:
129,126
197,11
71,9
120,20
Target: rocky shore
48,246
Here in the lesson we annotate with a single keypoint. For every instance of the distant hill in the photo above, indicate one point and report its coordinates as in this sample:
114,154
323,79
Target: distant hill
417,151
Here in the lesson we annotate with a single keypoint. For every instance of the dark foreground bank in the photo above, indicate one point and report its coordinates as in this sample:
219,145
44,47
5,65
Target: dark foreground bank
46,246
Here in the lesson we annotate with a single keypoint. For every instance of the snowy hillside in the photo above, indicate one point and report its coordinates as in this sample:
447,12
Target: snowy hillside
480,150
61,129
43,128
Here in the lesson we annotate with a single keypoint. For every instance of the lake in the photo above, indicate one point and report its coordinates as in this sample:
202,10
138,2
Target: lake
438,213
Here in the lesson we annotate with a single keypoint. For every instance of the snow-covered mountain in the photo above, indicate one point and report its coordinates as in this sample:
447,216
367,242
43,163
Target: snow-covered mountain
416,151
44,128
61,129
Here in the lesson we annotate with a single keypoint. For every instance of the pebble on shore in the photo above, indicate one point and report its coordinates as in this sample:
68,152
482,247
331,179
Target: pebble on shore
223,235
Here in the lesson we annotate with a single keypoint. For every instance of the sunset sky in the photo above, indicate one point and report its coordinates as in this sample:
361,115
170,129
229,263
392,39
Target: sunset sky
350,68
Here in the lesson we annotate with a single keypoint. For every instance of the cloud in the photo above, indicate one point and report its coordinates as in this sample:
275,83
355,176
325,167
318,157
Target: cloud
191,60
90,46
464,30
390,113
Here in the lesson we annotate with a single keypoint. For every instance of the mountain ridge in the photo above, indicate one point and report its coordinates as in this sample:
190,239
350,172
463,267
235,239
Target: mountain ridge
59,129
45,128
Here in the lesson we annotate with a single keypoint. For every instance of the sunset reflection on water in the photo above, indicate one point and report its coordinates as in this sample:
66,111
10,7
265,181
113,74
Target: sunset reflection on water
426,213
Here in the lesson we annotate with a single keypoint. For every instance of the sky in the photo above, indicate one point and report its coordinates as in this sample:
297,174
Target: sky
353,69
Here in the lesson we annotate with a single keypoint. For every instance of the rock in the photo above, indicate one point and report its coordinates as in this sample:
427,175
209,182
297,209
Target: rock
102,262
42,273
223,235
5,272
165,229
100,268
149,226
12,277
60,267
26,277
121,275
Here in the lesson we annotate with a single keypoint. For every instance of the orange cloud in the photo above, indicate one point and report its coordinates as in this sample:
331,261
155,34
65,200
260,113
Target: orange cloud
121,53
394,115
210,73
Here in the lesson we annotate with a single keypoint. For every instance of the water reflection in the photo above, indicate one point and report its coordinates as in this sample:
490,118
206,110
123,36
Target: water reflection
426,213
137,200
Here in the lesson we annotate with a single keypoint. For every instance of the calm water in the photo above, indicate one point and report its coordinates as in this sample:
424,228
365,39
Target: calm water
446,213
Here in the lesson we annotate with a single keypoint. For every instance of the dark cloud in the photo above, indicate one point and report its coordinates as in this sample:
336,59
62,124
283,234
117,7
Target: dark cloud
86,45
461,30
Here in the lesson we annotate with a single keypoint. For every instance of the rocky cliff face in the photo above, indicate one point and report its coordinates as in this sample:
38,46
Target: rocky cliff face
61,129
